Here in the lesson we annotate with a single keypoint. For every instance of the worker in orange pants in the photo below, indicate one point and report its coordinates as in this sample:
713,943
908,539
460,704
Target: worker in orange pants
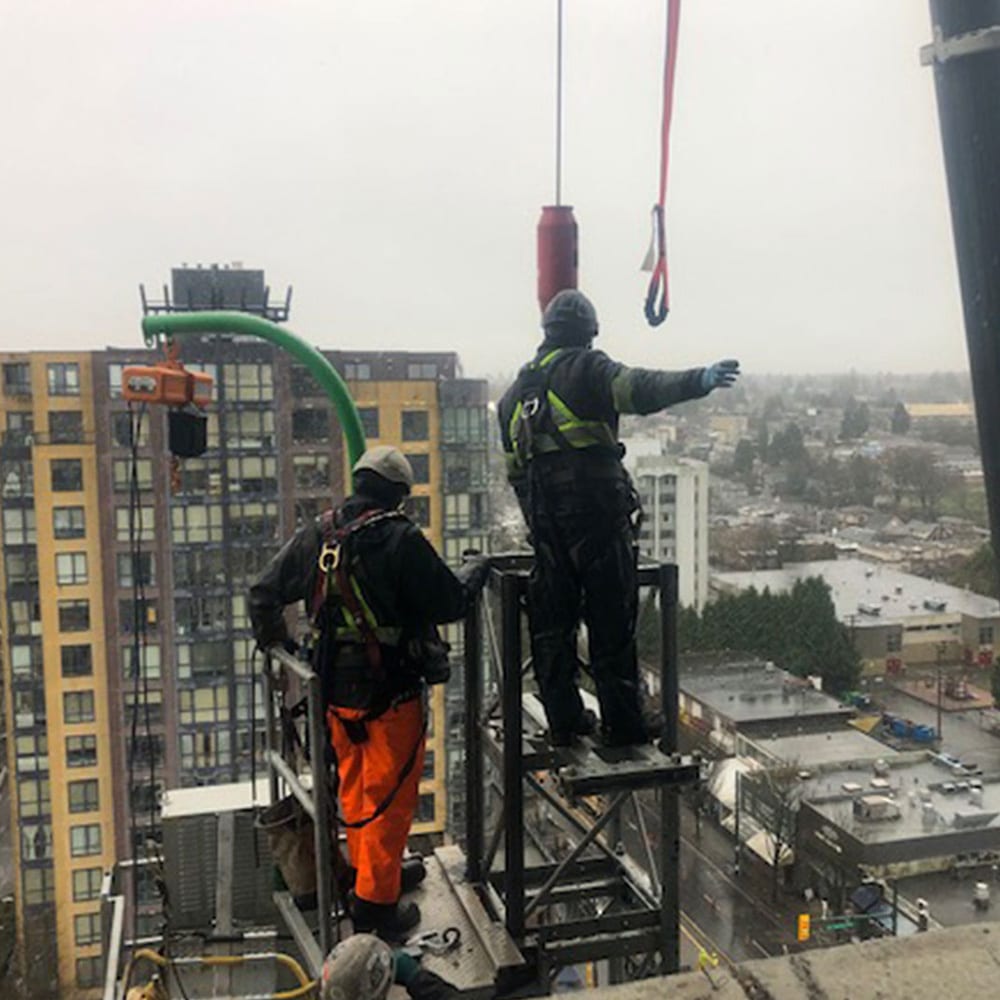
372,774
375,589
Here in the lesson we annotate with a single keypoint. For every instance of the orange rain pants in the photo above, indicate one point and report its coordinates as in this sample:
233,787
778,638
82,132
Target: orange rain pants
368,773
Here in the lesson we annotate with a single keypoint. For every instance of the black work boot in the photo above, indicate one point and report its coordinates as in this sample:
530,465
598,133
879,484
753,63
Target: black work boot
390,921
586,725
414,871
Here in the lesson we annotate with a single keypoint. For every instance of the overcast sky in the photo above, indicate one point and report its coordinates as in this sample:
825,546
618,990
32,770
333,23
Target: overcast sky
389,158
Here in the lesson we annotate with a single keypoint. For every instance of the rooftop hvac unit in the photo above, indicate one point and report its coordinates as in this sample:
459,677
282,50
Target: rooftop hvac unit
873,610
876,808
191,863
935,604
972,819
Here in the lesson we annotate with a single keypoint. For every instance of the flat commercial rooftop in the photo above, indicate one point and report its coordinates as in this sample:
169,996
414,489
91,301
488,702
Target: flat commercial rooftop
815,749
855,583
758,693
912,781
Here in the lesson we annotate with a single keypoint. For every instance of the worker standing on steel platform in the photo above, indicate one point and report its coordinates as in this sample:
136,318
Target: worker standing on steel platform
559,427
364,968
376,588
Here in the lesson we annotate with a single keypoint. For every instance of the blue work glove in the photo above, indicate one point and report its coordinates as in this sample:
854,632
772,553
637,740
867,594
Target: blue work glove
405,967
721,375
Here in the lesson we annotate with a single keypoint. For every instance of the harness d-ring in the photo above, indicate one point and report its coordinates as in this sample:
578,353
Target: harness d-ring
329,558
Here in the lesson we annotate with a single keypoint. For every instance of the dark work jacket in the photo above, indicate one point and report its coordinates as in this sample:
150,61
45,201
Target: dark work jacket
404,582
594,387
425,985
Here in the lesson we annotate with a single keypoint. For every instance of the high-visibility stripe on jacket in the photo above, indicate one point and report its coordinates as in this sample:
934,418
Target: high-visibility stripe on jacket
551,426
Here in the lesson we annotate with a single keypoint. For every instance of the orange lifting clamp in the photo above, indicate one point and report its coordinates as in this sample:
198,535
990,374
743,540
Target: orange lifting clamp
169,383
186,393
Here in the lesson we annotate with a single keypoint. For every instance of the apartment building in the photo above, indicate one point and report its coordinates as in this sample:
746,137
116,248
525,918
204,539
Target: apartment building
674,496
126,649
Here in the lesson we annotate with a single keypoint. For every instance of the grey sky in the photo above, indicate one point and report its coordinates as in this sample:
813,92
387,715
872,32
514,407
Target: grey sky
389,158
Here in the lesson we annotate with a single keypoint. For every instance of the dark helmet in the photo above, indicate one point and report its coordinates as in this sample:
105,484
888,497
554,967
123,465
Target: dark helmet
570,318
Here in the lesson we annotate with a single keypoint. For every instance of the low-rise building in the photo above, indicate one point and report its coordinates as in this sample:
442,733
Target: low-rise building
896,619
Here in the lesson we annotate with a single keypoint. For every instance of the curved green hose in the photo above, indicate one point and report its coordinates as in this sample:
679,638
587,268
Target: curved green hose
216,321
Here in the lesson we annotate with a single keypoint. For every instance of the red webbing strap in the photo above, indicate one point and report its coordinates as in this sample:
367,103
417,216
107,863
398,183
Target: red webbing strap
658,294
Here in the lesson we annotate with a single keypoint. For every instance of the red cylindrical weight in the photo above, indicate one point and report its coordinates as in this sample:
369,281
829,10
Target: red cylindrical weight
557,252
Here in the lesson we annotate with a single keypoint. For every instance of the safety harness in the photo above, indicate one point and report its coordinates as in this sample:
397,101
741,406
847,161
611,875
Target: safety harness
336,583
542,422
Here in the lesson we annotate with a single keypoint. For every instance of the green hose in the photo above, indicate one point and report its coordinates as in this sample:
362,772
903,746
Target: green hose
177,324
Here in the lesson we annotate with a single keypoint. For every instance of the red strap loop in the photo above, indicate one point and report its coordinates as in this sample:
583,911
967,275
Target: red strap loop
658,295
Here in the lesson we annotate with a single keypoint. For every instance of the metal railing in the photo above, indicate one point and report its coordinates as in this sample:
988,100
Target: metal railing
314,800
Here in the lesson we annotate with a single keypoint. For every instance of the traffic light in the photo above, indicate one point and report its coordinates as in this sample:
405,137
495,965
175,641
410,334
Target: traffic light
803,927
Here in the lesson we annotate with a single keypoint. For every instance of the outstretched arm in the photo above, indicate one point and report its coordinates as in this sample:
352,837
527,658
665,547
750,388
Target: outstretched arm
646,390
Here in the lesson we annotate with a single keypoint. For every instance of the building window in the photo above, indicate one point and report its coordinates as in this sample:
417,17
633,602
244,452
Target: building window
121,472
31,753
464,511
19,526
208,705
464,471
69,522
312,472
64,379
254,522
21,567
17,379
310,426
84,796
144,563
418,509
71,568
135,616
303,382
81,751
893,642
77,661
87,884
33,798
78,706
145,750
149,659
67,475
369,420
252,475
18,479
65,427
87,929
250,429
196,523
206,748
423,370
39,885
249,383
36,842
150,703
357,371
140,525
428,771
121,429
26,659
201,613
88,971
463,425
421,465
85,840
74,616
985,635
208,658
25,618
425,809
416,425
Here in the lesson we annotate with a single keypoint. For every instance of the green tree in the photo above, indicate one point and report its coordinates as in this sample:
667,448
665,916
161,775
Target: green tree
978,572
856,420
798,630
899,422
743,459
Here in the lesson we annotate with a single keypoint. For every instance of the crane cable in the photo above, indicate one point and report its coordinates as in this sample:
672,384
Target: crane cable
658,294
